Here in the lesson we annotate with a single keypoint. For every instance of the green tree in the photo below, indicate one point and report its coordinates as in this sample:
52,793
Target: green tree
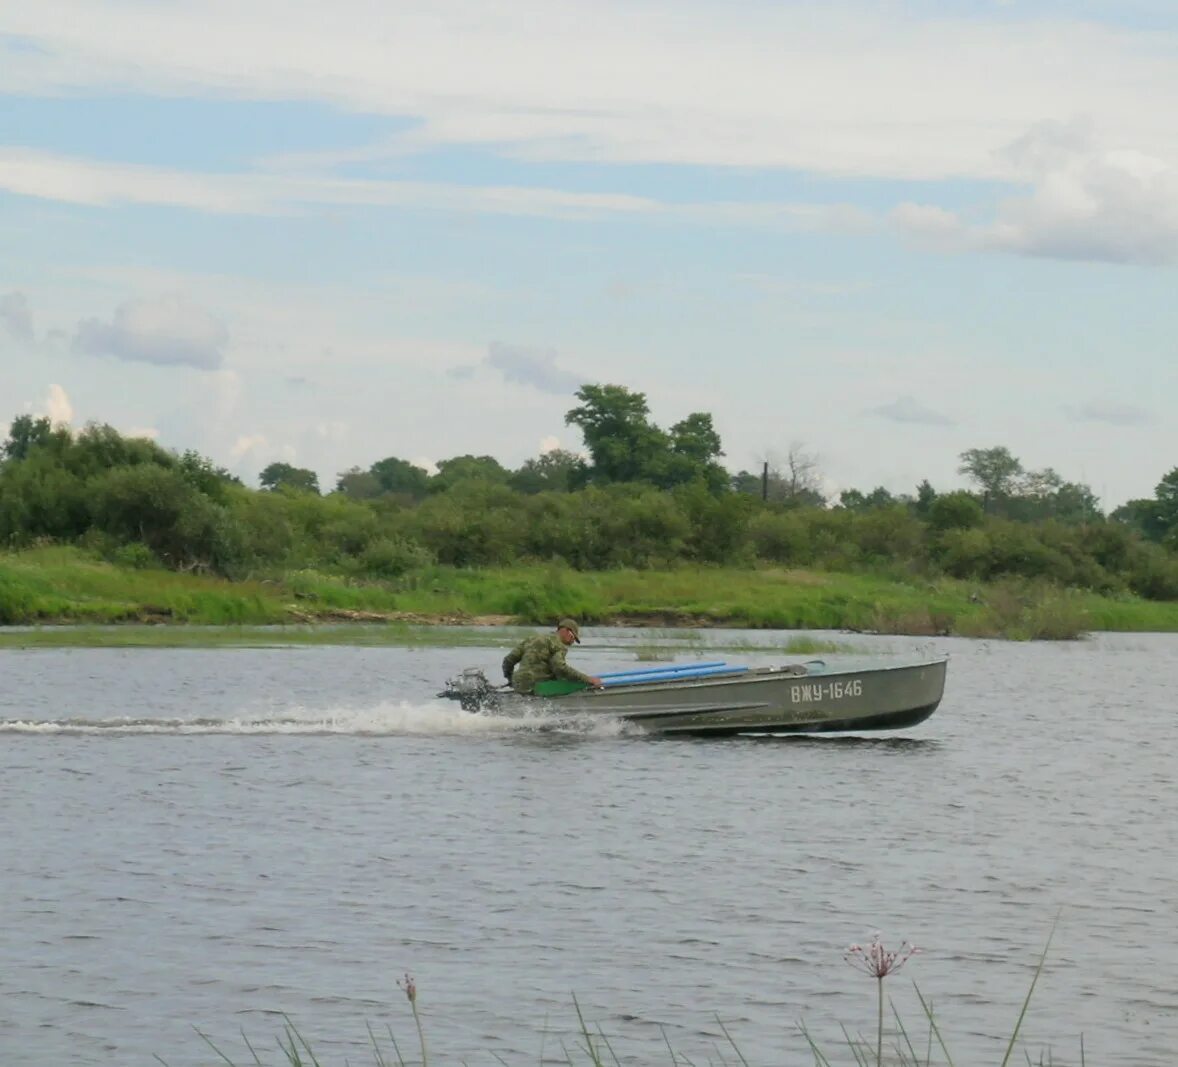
356,484
27,433
39,497
485,469
474,524
557,471
1040,495
925,495
623,444
1145,516
888,533
695,451
745,482
955,511
401,477
201,473
99,447
854,500
637,525
1166,495
158,507
994,470
719,523
695,438
284,476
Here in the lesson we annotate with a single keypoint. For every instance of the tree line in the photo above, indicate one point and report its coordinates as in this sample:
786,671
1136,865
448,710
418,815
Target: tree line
641,496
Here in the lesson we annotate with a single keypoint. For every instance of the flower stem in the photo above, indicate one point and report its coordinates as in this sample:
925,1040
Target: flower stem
420,1032
879,1028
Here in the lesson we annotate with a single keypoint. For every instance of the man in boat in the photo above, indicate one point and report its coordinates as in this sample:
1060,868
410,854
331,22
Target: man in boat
541,658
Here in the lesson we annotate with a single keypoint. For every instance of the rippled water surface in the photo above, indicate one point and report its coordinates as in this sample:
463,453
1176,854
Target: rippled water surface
208,838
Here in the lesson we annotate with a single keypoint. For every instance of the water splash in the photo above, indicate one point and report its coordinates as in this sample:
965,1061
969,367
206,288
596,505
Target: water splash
384,720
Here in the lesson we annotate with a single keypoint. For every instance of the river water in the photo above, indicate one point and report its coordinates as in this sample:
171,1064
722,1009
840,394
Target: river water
206,839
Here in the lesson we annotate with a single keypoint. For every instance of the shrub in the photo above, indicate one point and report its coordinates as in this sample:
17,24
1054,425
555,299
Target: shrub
392,557
955,511
887,534
135,555
1153,573
40,498
780,537
474,524
718,525
964,553
639,527
158,507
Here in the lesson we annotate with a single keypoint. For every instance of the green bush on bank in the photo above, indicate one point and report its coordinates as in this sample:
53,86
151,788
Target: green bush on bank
144,509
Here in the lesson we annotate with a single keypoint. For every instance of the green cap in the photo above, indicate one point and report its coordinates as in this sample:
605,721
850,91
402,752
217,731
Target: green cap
572,627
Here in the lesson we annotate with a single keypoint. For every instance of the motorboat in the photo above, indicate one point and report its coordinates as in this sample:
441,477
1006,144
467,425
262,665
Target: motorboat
719,698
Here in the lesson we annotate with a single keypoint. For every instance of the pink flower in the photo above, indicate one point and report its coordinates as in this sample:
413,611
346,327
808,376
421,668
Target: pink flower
876,960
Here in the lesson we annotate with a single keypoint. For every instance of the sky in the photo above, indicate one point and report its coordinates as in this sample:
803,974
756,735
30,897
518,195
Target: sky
872,234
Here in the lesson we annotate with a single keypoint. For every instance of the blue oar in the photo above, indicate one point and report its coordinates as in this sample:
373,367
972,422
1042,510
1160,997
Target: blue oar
661,670
559,687
671,676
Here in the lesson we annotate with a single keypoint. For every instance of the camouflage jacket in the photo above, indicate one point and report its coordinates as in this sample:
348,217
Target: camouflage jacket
539,659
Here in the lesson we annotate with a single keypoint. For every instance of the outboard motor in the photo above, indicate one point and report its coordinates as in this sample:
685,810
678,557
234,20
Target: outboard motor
471,689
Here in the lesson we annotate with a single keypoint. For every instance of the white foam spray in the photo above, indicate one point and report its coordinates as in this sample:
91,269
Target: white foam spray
386,719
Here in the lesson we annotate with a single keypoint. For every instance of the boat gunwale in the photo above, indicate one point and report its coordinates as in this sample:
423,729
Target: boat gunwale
745,675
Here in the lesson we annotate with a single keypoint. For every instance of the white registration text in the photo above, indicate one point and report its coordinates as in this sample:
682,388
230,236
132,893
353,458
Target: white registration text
808,692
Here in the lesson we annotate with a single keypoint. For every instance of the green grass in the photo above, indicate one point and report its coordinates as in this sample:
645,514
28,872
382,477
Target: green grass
922,1044
65,585
58,585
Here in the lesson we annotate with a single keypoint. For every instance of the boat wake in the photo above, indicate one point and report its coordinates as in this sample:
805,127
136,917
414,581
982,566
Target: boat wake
386,720
381,721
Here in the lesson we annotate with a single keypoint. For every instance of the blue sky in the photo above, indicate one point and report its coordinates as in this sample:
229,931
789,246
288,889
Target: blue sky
876,234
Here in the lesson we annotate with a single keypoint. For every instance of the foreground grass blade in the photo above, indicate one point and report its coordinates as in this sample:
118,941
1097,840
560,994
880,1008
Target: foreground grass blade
209,1041
928,1014
903,1031
820,1059
589,1046
728,1037
1027,999
375,1046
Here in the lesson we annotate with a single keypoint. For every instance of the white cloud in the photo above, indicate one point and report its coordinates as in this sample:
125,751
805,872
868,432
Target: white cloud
842,89
167,331
836,89
58,406
247,445
1088,200
1092,203
52,176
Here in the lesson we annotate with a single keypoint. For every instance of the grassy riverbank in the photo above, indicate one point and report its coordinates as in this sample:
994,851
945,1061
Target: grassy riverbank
56,585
